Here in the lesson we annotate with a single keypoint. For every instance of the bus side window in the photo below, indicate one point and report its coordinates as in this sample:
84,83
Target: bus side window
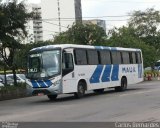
134,57
105,57
138,58
80,57
116,57
125,56
67,63
130,58
92,57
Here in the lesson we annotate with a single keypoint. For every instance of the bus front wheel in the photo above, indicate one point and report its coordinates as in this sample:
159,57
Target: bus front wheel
52,97
80,90
123,86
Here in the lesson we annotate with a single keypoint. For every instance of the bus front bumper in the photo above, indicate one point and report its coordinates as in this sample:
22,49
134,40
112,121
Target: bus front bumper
44,91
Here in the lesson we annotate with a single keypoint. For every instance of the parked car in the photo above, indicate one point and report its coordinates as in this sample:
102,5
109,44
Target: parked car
20,77
1,84
147,69
9,80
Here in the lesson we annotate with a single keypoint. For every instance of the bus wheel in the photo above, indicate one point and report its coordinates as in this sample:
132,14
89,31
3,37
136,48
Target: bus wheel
123,86
99,91
80,90
52,97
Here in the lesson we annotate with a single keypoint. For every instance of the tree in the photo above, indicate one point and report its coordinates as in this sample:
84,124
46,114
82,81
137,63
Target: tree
125,37
82,34
13,17
146,24
21,55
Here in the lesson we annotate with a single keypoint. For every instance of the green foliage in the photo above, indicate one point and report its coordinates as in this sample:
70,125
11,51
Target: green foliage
125,37
146,24
21,55
13,19
82,34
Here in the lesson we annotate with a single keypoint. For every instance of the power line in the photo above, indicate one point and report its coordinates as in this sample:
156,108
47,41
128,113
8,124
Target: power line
91,17
44,30
54,24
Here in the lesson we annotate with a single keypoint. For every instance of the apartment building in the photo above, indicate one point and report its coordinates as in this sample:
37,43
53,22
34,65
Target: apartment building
58,15
52,17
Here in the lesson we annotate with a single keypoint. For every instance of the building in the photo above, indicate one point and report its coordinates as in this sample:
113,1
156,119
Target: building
101,23
52,17
34,26
58,15
37,23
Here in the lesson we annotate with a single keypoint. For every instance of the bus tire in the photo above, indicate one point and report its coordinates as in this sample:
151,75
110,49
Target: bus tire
80,90
52,97
123,86
99,91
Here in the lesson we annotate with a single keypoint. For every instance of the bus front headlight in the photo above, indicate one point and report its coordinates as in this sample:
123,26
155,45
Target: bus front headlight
57,83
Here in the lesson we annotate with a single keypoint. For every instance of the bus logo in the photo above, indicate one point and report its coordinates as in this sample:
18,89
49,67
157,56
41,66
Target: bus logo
128,69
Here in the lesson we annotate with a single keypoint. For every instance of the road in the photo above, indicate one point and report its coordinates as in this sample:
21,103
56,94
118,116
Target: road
141,102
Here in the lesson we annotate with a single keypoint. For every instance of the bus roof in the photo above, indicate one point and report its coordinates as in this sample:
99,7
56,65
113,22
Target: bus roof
64,46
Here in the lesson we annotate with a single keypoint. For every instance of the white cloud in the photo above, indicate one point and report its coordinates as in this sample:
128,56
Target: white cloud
95,8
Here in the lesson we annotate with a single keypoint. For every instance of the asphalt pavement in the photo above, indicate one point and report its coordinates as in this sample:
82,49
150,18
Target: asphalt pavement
141,102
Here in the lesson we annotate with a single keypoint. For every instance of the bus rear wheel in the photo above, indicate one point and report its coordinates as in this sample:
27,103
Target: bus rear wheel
52,97
123,86
80,90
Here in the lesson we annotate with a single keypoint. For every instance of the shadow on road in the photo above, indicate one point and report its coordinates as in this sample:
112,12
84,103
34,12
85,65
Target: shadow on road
91,94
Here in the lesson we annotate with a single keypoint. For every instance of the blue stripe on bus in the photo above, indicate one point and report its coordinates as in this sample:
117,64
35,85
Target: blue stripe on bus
113,49
98,47
106,73
96,75
34,84
115,72
41,84
101,47
139,70
48,82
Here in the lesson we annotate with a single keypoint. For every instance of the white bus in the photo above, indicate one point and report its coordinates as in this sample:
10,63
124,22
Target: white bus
68,68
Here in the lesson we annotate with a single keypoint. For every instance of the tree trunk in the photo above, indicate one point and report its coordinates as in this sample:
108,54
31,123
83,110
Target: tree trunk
14,76
5,78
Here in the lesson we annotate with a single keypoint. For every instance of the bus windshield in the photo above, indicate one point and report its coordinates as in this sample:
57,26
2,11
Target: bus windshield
44,65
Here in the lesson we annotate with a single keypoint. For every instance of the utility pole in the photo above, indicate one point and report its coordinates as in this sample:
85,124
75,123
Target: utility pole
59,15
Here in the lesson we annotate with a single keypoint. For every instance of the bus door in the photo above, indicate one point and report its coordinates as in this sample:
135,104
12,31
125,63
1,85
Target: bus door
68,75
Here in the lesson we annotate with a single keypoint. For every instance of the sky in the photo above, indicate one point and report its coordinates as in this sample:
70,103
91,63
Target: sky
107,9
